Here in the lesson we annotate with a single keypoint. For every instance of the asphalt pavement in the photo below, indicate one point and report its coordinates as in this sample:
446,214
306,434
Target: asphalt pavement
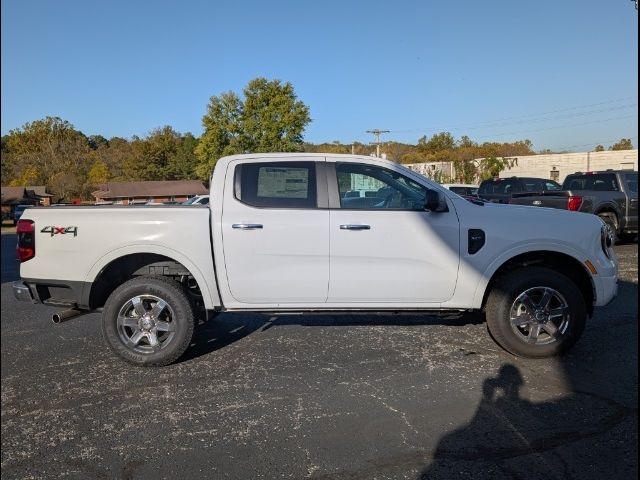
321,397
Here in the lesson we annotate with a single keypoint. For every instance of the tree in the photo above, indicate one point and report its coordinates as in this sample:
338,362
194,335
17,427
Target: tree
153,156
99,173
43,151
182,165
97,141
623,144
273,118
222,129
438,142
599,148
492,166
270,118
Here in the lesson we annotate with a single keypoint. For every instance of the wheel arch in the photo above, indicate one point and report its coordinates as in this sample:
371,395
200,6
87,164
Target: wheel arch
562,263
117,267
608,208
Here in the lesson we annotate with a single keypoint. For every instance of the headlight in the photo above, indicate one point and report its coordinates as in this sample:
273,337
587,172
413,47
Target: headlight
606,240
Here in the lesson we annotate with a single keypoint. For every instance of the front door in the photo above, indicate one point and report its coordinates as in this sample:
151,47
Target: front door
385,248
276,242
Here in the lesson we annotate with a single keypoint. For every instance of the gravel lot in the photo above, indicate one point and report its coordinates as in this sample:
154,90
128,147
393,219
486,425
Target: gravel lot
354,397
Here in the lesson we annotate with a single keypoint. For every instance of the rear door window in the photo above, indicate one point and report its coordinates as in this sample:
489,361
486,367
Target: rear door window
277,184
532,184
500,186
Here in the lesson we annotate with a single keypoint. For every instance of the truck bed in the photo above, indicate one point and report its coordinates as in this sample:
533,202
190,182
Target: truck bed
75,243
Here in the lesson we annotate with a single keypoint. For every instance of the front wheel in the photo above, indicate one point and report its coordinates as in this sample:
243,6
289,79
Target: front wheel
535,312
148,321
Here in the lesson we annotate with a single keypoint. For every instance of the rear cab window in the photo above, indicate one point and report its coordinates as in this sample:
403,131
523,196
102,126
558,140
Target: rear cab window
604,182
277,184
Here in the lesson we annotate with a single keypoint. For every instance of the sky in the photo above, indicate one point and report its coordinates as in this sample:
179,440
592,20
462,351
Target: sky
563,74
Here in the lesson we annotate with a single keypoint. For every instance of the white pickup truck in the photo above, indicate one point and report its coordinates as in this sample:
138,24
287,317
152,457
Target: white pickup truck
317,233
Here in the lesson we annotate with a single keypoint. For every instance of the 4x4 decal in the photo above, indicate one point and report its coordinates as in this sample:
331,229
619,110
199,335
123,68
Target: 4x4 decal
60,230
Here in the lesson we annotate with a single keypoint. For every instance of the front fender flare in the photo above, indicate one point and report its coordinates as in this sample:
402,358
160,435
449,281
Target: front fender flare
520,249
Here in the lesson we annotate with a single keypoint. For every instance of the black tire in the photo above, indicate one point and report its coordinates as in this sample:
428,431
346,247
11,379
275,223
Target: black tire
506,296
172,326
612,223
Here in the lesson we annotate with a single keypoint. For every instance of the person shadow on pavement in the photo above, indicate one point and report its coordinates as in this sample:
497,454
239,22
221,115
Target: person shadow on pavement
511,438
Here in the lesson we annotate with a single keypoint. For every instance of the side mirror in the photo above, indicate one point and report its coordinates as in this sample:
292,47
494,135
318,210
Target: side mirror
435,202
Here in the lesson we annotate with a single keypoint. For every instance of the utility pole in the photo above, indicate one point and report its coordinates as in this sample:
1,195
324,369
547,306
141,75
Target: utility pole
376,133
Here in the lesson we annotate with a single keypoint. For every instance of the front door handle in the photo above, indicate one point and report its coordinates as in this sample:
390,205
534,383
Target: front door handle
355,227
247,226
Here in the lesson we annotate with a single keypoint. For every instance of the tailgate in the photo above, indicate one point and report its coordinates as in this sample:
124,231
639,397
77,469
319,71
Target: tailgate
542,199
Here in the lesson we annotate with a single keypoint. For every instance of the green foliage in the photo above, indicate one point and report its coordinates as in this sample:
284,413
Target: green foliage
270,118
48,152
273,118
492,166
334,147
182,165
599,148
99,173
439,142
97,141
623,144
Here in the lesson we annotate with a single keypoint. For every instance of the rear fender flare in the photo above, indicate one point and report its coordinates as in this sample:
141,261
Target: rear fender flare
208,287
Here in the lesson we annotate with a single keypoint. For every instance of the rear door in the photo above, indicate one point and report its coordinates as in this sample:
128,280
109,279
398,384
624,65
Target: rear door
275,227
385,248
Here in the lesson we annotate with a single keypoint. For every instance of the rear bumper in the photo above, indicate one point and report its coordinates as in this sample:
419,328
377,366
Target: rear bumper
21,292
49,292
606,290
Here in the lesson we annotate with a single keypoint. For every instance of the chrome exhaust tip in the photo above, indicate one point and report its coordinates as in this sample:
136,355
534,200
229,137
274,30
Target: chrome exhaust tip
66,315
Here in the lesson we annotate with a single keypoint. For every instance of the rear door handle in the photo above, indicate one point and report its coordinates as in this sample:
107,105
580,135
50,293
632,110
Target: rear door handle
247,226
355,227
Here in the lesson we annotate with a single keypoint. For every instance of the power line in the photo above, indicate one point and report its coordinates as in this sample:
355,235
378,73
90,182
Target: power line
554,117
601,142
532,115
526,132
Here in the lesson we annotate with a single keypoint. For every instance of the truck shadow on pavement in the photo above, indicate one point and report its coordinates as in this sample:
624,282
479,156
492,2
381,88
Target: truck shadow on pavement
226,328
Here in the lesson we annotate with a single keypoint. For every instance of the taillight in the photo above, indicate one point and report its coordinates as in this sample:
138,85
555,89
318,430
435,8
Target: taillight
574,203
26,248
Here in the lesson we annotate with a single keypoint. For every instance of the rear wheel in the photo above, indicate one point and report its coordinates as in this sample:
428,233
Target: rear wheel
535,312
611,220
148,321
